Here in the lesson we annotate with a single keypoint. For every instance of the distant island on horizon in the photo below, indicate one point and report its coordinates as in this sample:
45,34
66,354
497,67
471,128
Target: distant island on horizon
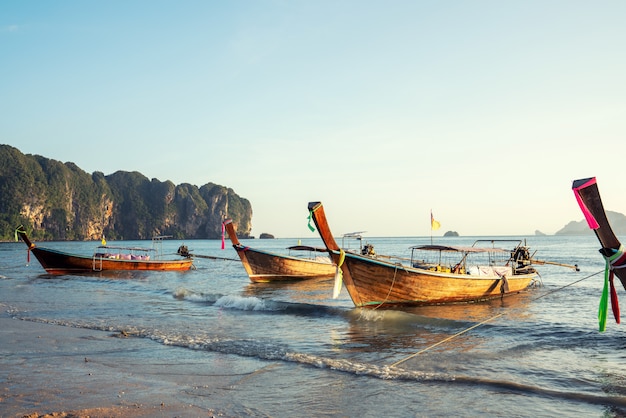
616,219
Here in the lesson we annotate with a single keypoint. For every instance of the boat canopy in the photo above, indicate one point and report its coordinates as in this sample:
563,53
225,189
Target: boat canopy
356,234
307,248
459,249
111,247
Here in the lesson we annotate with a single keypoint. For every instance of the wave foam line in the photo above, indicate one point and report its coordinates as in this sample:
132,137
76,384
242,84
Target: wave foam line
256,349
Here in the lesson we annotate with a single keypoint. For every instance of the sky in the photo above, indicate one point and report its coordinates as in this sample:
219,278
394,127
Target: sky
482,112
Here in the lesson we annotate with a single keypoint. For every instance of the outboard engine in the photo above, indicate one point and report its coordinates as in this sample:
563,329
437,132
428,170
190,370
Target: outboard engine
368,249
184,251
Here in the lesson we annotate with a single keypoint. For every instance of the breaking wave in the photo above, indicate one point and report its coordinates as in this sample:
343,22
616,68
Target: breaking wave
268,350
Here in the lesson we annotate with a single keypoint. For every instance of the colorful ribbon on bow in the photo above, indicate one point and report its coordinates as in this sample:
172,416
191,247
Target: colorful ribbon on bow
613,262
22,230
339,275
591,221
223,228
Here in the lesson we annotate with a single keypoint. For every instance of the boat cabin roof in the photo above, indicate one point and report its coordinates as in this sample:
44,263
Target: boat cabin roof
112,247
459,249
356,234
156,240
307,248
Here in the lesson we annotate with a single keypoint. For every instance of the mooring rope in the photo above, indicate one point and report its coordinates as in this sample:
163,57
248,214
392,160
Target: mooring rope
393,282
489,320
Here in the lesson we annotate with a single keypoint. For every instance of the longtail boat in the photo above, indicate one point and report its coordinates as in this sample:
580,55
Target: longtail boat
588,198
374,280
104,259
265,266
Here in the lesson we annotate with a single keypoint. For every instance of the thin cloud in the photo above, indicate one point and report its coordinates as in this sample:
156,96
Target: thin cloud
10,28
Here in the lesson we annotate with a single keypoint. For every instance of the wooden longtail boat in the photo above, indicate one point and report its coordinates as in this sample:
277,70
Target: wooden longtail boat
588,198
105,259
374,280
264,266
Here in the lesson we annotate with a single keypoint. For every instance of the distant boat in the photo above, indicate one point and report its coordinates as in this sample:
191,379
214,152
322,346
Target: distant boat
265,266
105,259
375,280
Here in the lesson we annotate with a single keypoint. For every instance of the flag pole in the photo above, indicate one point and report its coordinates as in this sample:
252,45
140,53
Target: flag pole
431,227
434,225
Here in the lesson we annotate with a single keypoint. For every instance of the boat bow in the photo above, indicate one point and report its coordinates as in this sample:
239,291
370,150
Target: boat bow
588,198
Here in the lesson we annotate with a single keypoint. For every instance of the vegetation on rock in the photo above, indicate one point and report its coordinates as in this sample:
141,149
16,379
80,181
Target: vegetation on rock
59,201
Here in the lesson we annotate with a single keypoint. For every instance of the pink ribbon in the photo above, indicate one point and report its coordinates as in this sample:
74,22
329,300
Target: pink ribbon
591,221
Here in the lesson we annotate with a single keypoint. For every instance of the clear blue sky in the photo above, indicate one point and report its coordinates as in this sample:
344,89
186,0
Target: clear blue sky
483,111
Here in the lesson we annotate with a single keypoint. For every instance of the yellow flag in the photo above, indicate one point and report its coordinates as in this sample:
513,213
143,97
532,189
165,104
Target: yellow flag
434,225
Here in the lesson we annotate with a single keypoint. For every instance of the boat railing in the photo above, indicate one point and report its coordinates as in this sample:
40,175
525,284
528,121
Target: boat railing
131,253
134,253
307,252
113,252
157,244
96,263
494,241
348,240
462,260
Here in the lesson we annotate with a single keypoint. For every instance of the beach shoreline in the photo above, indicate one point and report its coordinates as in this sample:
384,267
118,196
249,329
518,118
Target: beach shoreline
58,371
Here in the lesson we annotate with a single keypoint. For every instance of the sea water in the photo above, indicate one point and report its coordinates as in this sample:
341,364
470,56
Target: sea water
293,350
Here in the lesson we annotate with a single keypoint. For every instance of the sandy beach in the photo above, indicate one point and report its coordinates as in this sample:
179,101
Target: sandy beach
58,371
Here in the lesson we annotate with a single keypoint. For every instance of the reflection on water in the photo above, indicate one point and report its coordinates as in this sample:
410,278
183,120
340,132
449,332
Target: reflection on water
513,306
306,291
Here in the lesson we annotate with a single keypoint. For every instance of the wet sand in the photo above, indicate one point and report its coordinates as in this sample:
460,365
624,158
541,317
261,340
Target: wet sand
57,371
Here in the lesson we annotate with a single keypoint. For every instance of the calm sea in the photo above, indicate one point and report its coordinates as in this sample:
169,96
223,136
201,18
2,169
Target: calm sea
302,353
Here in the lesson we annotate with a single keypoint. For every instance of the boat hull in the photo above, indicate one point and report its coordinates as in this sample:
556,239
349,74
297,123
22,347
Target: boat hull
58,262
372,283
263,266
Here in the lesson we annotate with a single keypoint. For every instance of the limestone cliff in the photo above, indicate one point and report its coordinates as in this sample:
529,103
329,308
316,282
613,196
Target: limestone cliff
59,201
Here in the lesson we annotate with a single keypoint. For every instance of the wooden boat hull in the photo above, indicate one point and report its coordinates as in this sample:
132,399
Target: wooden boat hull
264,266
373,282
58,262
